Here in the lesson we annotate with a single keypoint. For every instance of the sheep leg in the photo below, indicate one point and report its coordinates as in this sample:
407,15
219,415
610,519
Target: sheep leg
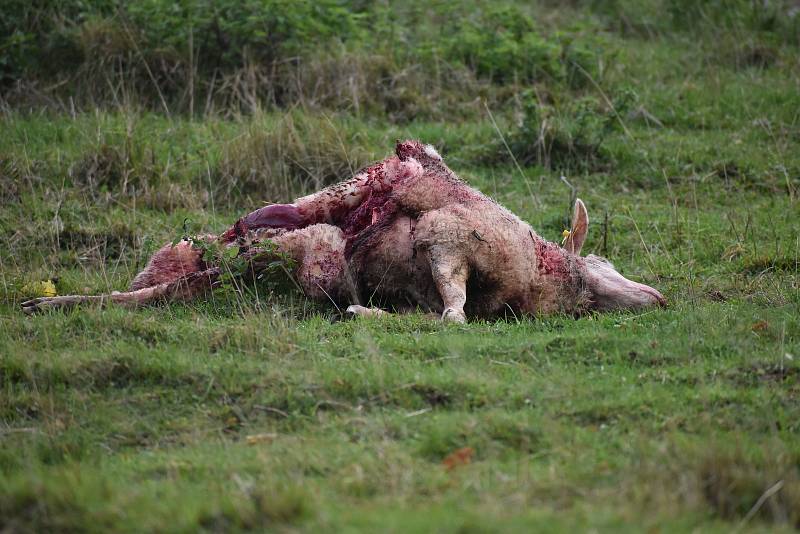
450,273
321,271
318,250
184,288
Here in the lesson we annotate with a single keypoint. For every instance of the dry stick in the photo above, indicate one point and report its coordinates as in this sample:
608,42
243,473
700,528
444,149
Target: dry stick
383,277
271,409
789,187
663,244
772,490
573,197
782,352
210,94
508,149
338,309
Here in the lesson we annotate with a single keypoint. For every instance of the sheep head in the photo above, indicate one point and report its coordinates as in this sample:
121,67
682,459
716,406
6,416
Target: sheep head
607,289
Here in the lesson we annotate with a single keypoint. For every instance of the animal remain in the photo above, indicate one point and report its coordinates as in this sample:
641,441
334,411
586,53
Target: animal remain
403,234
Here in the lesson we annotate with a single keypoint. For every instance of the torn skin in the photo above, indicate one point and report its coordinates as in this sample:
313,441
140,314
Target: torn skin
551,260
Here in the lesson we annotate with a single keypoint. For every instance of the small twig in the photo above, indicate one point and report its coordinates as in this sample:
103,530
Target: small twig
573,196
335,404
516,319
338,309
30,430
147,67
380,282
772,490
272,410
605,97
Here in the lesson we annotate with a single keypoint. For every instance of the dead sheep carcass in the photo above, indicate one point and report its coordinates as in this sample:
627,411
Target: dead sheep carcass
403,234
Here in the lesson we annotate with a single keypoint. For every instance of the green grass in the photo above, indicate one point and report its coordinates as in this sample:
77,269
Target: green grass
678,419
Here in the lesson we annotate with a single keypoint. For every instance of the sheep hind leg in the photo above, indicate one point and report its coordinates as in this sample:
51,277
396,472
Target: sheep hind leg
183,289
321,269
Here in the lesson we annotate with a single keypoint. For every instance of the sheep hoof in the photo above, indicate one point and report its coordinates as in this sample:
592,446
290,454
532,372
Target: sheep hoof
43,304
452,315
355,310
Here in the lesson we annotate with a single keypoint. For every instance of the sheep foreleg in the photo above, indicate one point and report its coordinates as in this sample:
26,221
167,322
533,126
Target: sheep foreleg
450,275
185,288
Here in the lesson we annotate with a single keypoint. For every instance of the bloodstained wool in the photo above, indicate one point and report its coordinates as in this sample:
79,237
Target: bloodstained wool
551,260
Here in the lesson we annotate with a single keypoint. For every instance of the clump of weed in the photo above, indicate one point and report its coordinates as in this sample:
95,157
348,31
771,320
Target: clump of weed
497,433
97,244
710,18
502,43
277,161
173,196
753,54
102,171
10,177
259,509
119,164
54,505
566,135
737,486
367,82
274,266
755,264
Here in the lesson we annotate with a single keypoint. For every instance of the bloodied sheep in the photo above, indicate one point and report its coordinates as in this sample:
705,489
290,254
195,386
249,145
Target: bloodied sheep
403,234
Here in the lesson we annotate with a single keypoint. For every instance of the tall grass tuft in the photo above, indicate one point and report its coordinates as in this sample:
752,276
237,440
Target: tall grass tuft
277,159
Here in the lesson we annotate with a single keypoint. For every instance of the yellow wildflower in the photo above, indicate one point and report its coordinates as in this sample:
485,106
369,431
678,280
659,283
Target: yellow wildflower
44,288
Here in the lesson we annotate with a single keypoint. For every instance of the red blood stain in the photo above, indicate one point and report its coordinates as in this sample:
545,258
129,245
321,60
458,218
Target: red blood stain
551,259
369,212
412,149
169,264
335,204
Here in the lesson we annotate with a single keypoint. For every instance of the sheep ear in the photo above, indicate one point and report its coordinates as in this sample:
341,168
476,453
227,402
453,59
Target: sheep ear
580,226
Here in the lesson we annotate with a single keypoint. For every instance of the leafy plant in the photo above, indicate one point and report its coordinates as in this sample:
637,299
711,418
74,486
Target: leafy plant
236,262
504,45
566,134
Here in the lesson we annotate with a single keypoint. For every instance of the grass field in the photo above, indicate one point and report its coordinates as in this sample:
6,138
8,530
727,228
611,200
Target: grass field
257,410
